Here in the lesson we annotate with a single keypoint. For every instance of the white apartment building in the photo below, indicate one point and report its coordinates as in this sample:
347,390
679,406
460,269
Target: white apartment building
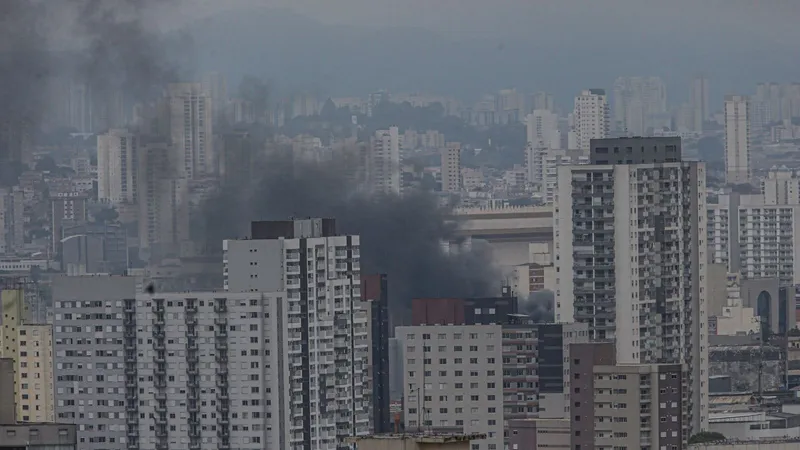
451,167
638,101
91,365
719,234
590,117
698,98
36,394
737,139
768,241
191,131
383,165
781,187
453,379
210,370
551,160
755,239
626,230
317,272
542,129
542,133
12,220
117,166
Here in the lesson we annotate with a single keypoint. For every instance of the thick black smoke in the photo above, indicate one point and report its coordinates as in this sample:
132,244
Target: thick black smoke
400,236
123,57
24,69
539,306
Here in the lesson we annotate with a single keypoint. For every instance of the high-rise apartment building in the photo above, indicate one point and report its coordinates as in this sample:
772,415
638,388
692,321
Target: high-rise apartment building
627,229
383,165
29,347
12,220
551,161
163,202
190,130
117,166
326,341
590,117
553,342
754,238
451,167
542,129
91,363
643,406
638,101
210,371
542,134
781,187
737,140
698,101
375,292
36,398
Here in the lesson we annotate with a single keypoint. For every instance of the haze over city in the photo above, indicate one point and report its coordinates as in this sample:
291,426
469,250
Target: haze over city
394,224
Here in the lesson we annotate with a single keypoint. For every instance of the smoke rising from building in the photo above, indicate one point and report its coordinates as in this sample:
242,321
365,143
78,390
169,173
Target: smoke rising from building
539,306
123,56
400,236
24,68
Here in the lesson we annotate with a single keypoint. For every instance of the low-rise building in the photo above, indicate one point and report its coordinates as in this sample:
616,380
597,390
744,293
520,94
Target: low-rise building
421,441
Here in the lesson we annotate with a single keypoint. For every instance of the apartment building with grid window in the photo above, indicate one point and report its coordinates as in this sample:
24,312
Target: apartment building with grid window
626,406
454,380
36,397
629,238
90,364
30,348
755,238
208,373
473,365
326,335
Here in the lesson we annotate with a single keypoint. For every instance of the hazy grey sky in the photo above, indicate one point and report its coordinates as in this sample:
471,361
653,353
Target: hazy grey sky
767,19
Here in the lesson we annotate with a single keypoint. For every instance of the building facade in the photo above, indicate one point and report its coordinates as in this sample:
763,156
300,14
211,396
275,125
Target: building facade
317,271
627,230
383,165
190,130
91,363
737,140
117,166
12,220
590,117
451,167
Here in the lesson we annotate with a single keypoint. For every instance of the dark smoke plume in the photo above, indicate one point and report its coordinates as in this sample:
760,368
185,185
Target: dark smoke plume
400,236
24,69
539,306
123,56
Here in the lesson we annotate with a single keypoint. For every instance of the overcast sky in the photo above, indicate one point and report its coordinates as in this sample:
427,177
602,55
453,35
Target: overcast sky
774,20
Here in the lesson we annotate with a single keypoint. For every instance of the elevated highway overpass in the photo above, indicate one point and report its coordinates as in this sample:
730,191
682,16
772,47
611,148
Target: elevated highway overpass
508,229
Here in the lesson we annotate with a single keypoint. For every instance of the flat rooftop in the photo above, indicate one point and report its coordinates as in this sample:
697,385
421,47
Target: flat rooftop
426,438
